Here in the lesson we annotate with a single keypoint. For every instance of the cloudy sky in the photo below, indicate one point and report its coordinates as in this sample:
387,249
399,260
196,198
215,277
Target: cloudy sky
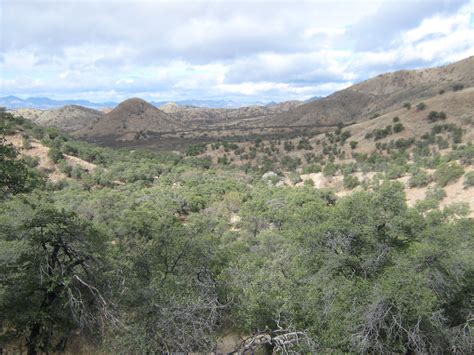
240,50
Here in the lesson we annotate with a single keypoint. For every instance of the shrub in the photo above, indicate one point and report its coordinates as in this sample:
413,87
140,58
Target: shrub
288,146
419,179
396,119
447,173
469,179
457,87
295,178
290,163
55,155
312,168
421,106
345,135
395,171
398,127
223,160
350,181
304,144
407,105
196,149
309,182
434,116
25,142
441,92
353,144
330,170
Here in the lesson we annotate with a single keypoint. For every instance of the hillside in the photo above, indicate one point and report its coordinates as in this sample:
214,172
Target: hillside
131,117
69,118
378,95
280,235
200,118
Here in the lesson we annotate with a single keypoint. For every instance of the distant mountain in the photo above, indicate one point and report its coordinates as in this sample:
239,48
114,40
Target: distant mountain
208,103
44,103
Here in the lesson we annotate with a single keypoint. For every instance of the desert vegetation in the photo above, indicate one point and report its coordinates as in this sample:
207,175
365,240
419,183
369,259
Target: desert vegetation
170,251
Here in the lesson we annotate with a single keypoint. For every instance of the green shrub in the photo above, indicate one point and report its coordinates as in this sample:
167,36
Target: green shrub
55,155
457,87
288,146
223,160
421,106
309,182
353,144
25,142
407,105
398,127
447,173
434,116
469,179
290,163
312,168
295,178
196,149
419,179
330,169
350,181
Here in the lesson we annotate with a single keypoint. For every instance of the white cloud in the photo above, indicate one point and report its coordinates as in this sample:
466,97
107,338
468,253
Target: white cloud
246,49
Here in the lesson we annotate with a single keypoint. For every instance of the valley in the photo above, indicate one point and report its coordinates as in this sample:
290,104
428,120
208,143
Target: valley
182,228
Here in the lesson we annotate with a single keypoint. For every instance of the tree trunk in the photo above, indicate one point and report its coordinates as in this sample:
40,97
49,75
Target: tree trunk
33,338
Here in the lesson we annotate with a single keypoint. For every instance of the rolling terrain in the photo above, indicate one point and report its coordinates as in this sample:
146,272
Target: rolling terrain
317,214
135,123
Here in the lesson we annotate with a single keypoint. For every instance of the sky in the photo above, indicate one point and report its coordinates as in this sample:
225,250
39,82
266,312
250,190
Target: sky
245,51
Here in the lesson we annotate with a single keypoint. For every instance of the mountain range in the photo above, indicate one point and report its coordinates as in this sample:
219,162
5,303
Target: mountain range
44,103
135,119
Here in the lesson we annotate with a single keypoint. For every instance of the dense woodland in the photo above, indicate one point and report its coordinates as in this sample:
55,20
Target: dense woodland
167,252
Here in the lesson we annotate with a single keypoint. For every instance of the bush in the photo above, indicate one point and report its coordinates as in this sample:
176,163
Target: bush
469,179
290,163
309,182
396,119
223,160
434,116
447,173
421,106
419,179
330,170
398,127
25,142
350,181
457,87
55,155
353,144
312,168
196,149
288,146
407,105
295,178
